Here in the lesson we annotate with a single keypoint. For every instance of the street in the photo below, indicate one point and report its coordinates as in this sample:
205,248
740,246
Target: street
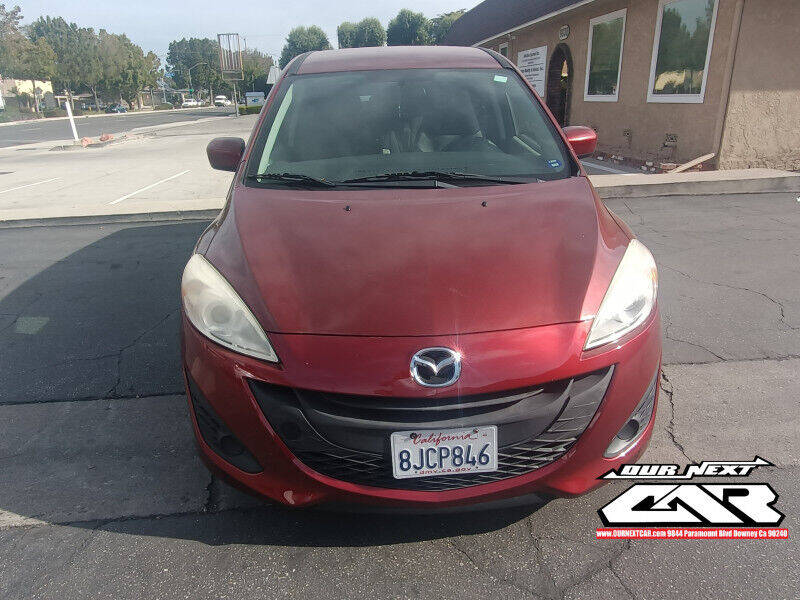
102,495
52,130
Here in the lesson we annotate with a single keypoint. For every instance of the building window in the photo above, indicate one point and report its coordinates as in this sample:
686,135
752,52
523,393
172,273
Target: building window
681,51
604,57
504,49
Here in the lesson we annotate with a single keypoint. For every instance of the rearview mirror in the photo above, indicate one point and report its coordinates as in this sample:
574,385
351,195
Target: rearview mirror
225,153
582,139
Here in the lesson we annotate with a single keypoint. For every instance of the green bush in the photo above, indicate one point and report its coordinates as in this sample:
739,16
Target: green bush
60,112
166,106
249,110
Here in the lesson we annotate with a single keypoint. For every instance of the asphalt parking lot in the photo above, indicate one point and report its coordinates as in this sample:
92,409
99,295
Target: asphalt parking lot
102,496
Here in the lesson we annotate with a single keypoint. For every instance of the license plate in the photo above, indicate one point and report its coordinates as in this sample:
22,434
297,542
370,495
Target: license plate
424,453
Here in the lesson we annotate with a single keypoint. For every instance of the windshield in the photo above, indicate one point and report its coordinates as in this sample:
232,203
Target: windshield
362,124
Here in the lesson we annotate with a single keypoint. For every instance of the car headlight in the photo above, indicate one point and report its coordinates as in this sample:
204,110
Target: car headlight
630,298
216,310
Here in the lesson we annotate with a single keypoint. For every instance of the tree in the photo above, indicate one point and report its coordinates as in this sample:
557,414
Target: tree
127,70
255,69
408,29
369,32
10,38
38,61
196,61
21,57
439,26
303,39
346,34
9,21
67,41
90,71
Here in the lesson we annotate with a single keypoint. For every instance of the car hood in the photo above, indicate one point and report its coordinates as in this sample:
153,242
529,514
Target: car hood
418,262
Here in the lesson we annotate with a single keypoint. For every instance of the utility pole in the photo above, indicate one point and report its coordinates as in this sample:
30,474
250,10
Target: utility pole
191,87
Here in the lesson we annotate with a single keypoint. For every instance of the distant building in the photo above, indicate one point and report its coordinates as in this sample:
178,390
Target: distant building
44,89
664,80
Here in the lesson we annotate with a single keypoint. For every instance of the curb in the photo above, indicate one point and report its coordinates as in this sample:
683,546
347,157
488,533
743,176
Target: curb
157,128
77,146
784,182
172,215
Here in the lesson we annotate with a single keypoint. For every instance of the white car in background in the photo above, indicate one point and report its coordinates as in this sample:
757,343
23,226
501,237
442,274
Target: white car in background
222,101
190,103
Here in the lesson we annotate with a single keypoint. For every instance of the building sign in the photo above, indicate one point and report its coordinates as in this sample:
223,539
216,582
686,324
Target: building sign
563,33
533,64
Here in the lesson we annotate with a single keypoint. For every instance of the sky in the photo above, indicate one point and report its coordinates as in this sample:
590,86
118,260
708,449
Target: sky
153,24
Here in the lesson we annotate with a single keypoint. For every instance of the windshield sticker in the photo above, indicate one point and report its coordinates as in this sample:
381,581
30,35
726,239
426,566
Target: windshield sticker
556,164
501,78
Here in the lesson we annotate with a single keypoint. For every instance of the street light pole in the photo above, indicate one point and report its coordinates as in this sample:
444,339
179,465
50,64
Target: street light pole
202,62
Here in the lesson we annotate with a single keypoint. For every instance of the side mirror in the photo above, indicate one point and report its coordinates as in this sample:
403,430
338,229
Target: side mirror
225,153
582,139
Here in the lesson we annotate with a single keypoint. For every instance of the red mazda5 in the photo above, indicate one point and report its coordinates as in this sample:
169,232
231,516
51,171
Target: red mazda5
413,296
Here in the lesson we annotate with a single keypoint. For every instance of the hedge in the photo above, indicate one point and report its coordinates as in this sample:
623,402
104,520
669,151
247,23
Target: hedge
60,112
249,110
165,106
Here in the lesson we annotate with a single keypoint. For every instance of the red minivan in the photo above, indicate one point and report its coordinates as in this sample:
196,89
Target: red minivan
413,297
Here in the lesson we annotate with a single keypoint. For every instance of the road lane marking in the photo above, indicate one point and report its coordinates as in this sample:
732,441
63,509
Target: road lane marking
19,187
152,185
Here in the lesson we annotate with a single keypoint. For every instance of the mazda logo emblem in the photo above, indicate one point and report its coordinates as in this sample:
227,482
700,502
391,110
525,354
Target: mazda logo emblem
436,367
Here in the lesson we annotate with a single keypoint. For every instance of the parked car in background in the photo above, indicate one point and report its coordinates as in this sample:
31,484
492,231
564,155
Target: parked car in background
190,103
116,108
414,297
222,101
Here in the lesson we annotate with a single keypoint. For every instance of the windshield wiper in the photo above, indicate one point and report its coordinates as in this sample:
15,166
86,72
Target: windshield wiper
293,178
434,175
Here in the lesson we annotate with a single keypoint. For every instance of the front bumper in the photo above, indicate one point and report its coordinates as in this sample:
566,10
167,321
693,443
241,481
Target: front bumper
297,438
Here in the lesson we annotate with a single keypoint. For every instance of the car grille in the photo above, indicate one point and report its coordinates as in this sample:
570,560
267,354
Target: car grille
347,437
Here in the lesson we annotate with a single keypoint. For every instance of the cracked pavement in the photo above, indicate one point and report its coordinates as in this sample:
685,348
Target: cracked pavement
102,495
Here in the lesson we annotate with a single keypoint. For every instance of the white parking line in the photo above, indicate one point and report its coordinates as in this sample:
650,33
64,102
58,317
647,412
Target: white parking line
19,187
152,185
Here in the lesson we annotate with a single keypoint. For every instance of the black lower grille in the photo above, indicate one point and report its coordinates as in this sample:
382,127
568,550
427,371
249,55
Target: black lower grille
217,435
347,438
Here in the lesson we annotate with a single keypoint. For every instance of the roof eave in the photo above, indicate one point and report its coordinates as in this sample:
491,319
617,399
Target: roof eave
534,21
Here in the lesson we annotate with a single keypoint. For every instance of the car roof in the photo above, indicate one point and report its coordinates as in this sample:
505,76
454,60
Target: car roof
397,57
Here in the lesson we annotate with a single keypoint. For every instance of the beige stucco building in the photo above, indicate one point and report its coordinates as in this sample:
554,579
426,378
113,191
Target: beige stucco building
661,80
9,87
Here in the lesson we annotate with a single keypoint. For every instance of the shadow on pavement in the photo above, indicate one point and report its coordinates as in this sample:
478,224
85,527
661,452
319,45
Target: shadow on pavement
277,526
101,322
